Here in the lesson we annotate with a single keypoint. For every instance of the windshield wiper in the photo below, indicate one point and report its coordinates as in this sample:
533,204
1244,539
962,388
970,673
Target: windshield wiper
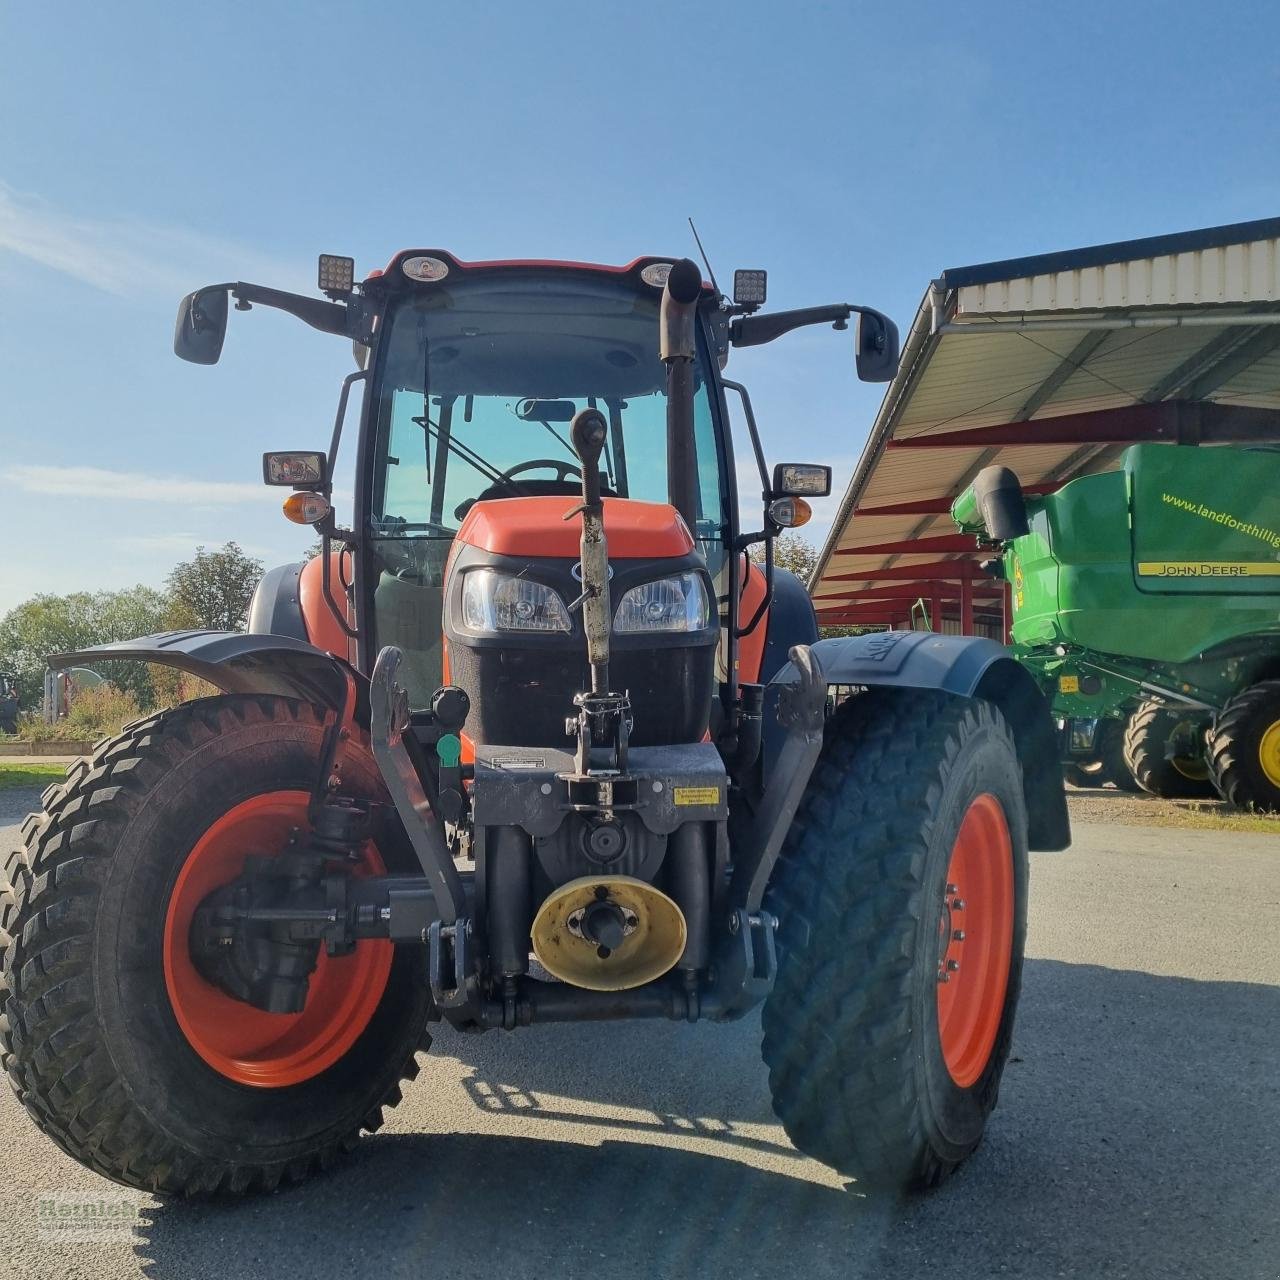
468,455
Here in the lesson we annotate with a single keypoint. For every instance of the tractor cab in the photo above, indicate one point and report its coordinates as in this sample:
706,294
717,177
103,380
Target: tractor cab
477,378
463,553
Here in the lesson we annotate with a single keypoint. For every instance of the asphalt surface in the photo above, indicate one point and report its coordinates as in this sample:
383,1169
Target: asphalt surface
1138,1132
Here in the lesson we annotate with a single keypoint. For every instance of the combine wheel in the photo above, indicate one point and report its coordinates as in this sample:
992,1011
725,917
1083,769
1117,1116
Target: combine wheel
1244,748
901,896
1164,750
122,1052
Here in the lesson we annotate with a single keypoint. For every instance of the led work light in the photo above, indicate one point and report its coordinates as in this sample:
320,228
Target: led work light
749,288
337,275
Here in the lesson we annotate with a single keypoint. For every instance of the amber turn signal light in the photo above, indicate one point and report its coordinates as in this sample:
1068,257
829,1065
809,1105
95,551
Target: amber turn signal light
790,513
306,508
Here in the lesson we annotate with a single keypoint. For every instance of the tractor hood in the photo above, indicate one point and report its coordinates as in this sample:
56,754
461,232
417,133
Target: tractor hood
522,678
539,528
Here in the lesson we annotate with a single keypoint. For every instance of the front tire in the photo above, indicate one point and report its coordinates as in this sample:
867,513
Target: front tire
1164,750
1244,749
132,1063
888,1028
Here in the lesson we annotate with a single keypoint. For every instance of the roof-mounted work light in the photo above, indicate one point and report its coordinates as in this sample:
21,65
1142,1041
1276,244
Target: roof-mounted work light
337,276
749,289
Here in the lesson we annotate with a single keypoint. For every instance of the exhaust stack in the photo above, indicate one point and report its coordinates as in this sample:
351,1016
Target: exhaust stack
677,348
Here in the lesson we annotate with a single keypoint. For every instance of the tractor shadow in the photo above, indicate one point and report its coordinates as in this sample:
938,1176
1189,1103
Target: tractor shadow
658,1078
1138,1134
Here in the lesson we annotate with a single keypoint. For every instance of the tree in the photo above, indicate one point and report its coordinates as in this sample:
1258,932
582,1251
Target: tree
49,624
213,590
791,551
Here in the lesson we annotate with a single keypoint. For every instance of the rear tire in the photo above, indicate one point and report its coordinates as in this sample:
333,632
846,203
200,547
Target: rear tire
90,1032
1185,776
1244,749
864,1075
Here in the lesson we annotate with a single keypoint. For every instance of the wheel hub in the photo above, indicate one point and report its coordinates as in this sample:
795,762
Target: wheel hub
1269,754
246,1044
975,940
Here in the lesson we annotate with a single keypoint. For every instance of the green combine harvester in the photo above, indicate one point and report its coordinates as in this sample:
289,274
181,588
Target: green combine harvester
1146,601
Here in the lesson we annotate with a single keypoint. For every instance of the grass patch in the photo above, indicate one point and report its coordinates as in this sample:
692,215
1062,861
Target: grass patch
1226,820
30,775
1134,809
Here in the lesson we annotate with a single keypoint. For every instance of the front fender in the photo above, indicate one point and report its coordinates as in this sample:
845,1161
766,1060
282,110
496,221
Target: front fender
238,663
968,667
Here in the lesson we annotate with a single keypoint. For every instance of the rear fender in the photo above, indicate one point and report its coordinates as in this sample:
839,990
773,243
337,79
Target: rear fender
968,667
238,663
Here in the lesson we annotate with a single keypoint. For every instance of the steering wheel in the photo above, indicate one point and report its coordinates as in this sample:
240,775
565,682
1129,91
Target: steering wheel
562,469
506,481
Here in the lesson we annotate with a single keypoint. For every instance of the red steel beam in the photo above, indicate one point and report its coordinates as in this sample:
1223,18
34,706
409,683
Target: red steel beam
948,542
1179,421
911,591
899,621
935,570
940,506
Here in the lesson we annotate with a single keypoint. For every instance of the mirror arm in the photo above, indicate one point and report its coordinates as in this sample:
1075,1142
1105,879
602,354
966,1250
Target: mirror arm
753,331
328,317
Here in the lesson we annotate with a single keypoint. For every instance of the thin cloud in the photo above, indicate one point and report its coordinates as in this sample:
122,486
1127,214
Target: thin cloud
130,486
128,257
158,541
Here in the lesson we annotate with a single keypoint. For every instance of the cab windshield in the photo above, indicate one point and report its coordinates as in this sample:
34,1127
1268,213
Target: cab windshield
477,384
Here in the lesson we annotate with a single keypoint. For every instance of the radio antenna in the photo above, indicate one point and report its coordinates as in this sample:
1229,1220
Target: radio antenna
705,261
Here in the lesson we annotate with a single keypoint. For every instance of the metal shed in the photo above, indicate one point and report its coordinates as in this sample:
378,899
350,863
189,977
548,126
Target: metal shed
1050,365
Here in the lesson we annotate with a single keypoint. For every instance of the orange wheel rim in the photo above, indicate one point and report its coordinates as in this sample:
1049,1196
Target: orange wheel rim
975,946
248,1045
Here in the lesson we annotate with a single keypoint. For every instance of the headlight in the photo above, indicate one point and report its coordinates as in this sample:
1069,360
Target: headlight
493,601
669,604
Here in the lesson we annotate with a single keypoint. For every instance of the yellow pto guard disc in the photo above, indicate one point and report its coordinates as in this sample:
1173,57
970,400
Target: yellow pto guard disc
608,933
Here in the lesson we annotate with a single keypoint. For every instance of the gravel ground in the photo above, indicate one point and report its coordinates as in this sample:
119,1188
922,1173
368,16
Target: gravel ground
1137,1133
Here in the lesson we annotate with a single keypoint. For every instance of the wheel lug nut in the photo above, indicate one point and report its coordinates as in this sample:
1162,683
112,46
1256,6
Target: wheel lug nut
957,904
958,935
951,888
953,966
944,977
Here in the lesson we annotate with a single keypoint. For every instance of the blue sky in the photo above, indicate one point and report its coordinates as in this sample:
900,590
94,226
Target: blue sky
855,150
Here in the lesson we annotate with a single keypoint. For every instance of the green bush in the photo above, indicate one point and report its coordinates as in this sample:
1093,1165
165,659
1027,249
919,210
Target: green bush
100,712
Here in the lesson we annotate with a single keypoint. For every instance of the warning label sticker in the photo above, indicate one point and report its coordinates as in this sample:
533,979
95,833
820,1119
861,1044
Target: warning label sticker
697,795
1068,684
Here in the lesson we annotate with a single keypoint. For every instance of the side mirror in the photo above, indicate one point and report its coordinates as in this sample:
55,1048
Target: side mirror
801,480
202,326
877,347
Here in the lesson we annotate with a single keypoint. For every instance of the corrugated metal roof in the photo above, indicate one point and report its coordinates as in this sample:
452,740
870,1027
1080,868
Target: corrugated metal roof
1192,318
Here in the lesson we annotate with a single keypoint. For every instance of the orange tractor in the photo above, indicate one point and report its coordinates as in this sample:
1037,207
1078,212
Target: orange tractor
532,741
